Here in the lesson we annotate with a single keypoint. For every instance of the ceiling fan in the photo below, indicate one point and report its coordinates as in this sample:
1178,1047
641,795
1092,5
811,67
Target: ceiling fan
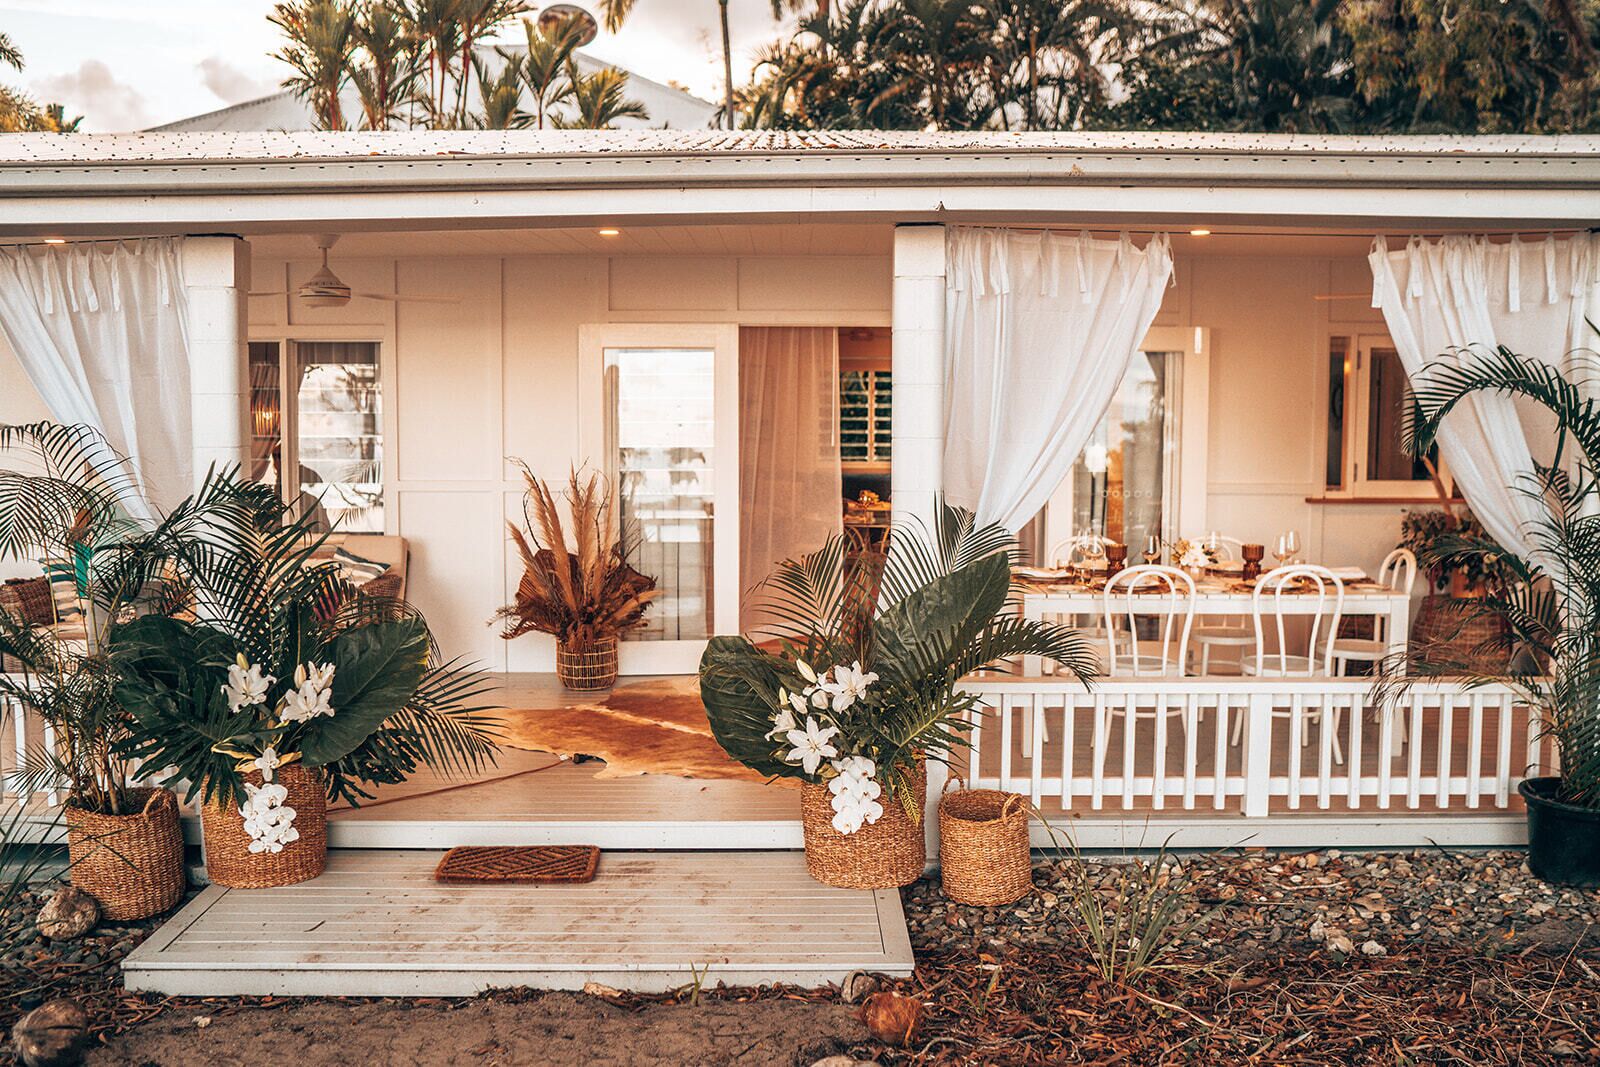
324,289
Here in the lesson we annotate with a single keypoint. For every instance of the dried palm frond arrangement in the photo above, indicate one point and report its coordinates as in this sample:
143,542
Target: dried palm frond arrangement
580,591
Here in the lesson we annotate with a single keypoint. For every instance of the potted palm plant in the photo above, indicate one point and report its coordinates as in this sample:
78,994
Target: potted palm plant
862,684
582,592
65,502
1545,606
280,690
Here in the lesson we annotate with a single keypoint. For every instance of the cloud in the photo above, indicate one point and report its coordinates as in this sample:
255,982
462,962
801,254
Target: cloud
107,105
230,83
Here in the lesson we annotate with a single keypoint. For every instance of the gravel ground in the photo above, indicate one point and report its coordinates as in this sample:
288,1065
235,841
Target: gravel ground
1256,902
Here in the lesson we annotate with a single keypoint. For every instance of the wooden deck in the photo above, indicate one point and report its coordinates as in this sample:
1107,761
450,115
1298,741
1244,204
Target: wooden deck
376,924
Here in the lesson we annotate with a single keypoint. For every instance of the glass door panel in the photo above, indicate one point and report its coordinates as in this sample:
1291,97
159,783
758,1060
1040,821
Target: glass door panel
1121,483
661,410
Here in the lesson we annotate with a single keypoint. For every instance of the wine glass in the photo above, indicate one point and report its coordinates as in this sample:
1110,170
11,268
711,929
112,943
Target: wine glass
1152,548
1291,541
1281,550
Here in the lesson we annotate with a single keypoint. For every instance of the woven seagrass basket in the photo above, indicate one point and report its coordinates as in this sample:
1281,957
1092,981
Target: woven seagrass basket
131,864
983,847
588,669
885,854
229,860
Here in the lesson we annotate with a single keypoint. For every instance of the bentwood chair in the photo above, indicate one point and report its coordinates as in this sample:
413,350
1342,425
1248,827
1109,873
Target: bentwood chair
1306,655
1399,574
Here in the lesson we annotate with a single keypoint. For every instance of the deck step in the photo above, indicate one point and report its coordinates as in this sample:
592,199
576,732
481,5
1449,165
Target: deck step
376,924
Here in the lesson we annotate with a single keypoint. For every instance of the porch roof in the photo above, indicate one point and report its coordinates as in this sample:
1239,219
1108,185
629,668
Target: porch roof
181,182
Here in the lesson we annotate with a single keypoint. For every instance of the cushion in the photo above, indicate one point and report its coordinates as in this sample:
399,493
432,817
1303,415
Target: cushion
357,570
63,577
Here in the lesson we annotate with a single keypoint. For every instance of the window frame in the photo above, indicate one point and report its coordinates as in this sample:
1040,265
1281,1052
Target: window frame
288,406
1356,438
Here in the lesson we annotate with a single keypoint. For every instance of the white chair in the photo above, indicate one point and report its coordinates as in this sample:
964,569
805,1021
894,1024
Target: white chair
1398,573
1301,582
1078,548
1226,632
1162,594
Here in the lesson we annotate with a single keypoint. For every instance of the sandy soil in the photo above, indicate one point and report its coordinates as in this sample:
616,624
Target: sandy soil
554,1029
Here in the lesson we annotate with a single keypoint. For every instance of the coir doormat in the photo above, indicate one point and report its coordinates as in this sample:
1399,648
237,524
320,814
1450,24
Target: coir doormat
518,865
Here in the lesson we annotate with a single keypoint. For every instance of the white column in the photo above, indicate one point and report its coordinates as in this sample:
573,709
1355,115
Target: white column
917,471
216,278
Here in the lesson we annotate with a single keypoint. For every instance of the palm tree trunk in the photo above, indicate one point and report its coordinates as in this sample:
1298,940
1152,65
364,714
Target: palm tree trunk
1030,110
727,66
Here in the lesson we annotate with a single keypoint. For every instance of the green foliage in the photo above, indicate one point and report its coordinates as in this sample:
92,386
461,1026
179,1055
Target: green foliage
1547,602
936,614
1446,543
1304,66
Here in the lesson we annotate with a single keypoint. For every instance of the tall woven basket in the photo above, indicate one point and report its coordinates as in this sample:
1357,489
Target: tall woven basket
589,669
1443,629
882,855
983,847
229,860
131,864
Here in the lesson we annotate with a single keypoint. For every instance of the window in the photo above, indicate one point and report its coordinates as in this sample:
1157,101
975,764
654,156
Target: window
1367,398
316,414
866,398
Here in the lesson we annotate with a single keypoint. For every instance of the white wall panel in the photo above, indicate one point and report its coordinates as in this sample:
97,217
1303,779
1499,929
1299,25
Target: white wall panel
674,283
787,283
456,572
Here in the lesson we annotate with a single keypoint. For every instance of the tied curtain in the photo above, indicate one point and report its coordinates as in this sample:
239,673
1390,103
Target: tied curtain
788,450
99,328
1040,329
1444,299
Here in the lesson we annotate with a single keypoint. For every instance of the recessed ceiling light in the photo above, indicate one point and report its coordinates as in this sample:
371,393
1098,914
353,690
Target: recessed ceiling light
1199,231
55,240
609,232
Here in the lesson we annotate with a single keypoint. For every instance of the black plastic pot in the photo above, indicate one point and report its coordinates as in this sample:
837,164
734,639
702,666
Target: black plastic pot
1563,839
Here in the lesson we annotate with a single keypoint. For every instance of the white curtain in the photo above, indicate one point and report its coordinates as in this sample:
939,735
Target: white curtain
99,328
1039,330
1441,300
793,497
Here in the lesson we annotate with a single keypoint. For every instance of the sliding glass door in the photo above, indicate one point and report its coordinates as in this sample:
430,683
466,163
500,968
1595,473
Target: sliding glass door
661,422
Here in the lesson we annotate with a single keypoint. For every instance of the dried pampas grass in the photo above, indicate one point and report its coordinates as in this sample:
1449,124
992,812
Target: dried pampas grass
581,591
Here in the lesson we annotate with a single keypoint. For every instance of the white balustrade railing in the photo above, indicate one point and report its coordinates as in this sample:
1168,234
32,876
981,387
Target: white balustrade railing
1251,747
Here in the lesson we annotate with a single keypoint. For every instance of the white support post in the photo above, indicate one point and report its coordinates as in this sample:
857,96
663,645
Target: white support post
938,776
917,470
1258,755
216,279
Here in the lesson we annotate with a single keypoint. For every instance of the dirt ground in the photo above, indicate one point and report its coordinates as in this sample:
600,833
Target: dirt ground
564,1029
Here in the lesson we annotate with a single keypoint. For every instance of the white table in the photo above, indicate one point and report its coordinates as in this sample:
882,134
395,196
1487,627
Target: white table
1219,598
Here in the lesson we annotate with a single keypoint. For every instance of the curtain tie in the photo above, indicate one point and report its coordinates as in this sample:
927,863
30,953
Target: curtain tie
1550,269
1514,275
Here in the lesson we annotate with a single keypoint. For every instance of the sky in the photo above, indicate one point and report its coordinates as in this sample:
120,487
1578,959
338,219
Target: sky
130,64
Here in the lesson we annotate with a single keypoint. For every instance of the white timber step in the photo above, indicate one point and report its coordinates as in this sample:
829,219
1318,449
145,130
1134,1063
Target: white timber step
377,924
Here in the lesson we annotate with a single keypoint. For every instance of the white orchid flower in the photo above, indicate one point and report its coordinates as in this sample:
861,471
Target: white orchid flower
247,686
871,811
266,763
847,822
811,745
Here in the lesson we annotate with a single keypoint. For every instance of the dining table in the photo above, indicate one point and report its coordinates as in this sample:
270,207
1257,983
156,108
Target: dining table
1217,593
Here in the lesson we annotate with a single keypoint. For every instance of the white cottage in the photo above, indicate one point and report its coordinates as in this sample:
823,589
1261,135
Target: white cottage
1114,336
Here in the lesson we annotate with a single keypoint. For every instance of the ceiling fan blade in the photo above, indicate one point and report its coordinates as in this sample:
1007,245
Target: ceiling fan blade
393,299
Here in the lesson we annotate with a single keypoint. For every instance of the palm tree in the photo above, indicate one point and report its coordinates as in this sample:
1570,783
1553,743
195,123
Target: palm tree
385,67
478,19
10,54
615,12
936,50
1547,606
599,101
498,97
545,64
321,41
435,26
1059,46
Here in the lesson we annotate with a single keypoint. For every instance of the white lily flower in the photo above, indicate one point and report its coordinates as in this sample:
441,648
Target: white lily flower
819,698
317,675
805,671
811,745
782,723
305,704
247,686
849,684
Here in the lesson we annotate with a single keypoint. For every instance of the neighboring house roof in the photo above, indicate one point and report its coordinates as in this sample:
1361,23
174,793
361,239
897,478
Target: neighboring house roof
284,111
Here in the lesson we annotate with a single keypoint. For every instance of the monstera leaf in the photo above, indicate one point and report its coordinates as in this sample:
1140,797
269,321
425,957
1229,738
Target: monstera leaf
739,685
377,669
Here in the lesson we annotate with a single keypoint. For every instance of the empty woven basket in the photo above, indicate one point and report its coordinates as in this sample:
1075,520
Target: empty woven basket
983,847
